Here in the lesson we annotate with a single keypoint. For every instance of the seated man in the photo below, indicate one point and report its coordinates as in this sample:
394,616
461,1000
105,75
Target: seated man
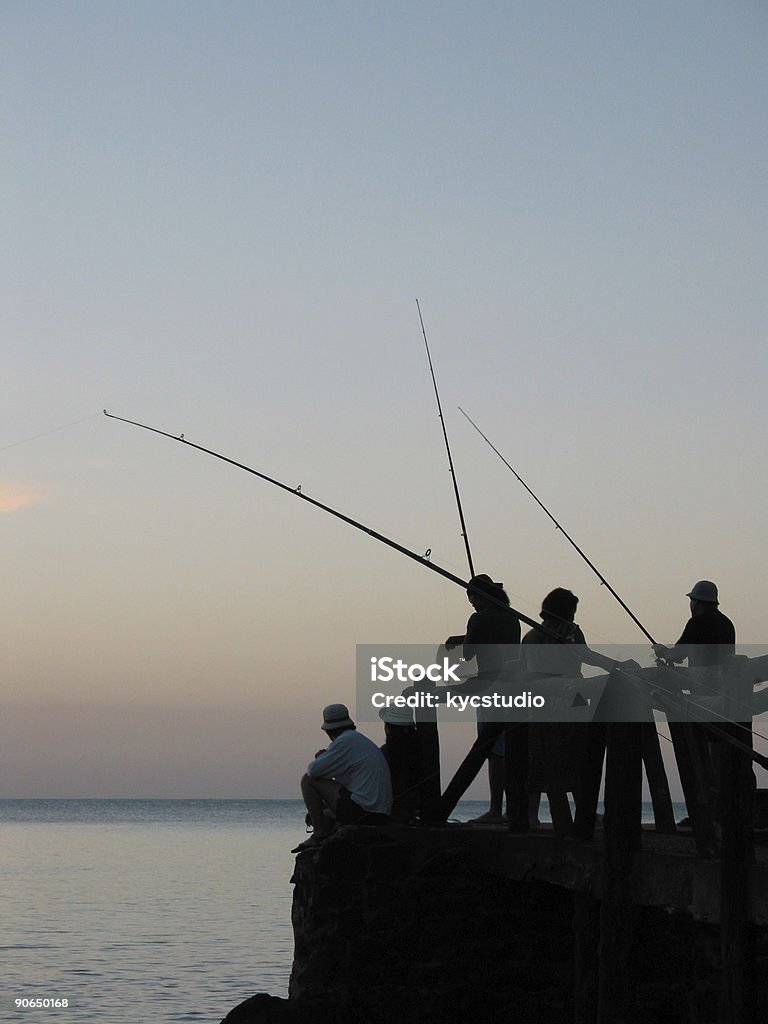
351,778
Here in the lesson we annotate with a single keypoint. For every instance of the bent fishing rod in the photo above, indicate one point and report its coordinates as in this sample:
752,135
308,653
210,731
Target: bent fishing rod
447,446
567,536
297,492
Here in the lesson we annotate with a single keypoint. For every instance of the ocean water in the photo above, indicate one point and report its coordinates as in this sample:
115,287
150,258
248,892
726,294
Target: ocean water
136,910
147,910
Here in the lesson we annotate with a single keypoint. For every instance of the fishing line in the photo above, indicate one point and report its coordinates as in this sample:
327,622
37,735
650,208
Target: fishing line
567,536
447,446
46,433
718,730
690,702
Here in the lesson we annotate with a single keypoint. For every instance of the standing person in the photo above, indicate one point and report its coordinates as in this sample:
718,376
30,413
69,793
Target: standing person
492,639
555,749
708,640
350,778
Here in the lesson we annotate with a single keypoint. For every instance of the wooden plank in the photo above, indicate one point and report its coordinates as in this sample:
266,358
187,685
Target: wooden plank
429,770
658,784
690,743
590,779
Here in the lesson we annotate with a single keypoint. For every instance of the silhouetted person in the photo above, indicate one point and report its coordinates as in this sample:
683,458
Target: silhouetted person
492,638
556,748
708,640
350,778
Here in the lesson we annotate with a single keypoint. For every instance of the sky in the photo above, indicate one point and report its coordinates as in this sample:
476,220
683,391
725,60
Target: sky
220,217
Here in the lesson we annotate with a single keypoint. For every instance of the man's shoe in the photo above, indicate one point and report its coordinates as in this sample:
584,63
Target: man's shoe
309,844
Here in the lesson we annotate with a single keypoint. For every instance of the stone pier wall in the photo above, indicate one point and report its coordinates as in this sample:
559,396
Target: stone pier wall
394,927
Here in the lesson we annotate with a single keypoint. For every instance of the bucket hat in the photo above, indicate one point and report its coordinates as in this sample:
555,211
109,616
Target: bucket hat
336,716
704,590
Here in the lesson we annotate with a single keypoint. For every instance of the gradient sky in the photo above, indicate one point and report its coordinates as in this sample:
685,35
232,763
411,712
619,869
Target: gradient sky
220,216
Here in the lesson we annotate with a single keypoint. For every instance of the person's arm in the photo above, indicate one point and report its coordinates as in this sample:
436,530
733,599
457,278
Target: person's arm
326,763
680,651
473,637
672,654
590,657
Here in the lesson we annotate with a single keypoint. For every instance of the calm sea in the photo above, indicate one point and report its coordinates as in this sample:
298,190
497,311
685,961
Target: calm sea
134,910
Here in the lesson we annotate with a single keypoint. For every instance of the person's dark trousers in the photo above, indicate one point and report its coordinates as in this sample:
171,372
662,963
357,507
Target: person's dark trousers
428,771
516,776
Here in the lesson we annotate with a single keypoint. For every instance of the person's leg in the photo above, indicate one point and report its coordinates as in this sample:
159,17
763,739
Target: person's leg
516,776
495,780
496,784
534,799
319,794
467,771
560,809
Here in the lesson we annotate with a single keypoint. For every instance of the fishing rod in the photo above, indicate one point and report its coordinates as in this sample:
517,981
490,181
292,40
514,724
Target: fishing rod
421,559
447,446
567,536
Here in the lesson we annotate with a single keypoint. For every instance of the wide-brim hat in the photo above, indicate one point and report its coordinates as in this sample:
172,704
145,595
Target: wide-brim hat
336,716
704,590
394,715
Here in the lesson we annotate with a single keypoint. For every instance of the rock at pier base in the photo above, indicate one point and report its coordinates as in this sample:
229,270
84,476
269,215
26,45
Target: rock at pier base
266,1009
401,927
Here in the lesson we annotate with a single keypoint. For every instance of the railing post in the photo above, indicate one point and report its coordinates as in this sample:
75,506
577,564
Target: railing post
738,996
590,779
623,815
586,938
428,743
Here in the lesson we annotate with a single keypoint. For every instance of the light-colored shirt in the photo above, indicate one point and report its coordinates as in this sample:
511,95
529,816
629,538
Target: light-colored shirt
358,764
